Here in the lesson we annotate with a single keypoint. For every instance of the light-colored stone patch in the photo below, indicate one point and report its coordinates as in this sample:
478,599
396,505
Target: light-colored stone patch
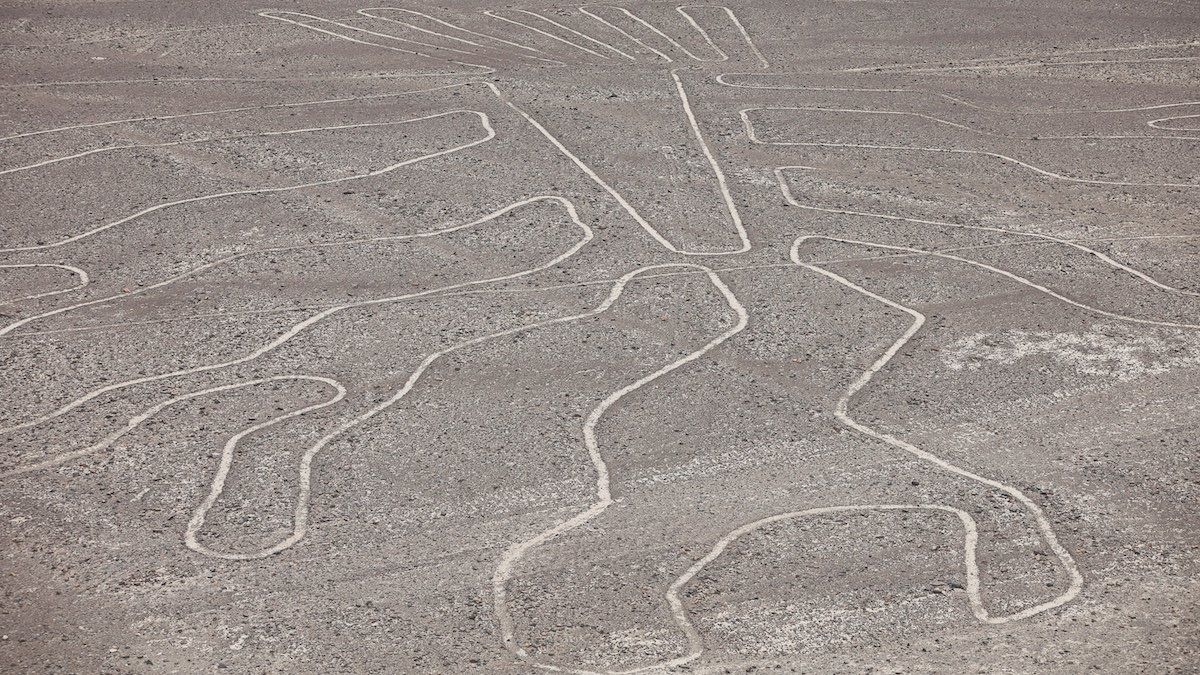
1107,350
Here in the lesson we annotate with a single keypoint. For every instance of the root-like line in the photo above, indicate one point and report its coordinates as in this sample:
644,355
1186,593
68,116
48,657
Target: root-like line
1003,272
748,124
749,127
1103,257
304,325
483,119
602,495
842,413
721,79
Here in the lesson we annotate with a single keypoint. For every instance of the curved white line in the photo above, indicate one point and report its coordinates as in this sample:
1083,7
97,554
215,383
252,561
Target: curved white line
970,565
787,195
721,79
842,413
744,113
902,67
321,316
603,497
483,118
80,274
136,421
220,111
749,127
1158,123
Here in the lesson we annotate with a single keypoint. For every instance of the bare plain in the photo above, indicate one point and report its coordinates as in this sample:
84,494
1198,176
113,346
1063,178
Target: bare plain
771,337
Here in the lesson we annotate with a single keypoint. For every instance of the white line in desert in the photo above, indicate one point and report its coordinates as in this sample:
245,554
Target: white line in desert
628,208
557,38
842,413
1015,277
787,195
201,141
483,118
721,79
1158,123
628,36
341,78
307,323
732,208
721,55
959,151
300,518
578,284
368,12
136,421
970,565
747,123
1040,64
81,275
762,60
603,497
221,111
683,11
983,62
276,15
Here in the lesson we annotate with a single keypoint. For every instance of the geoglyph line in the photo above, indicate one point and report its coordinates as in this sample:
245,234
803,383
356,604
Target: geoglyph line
81,275
483,118
603,497
278,16
222,111
722,183
970,565
984,62
625,205
787,195
307,323
842,413
201,141
1158,123
412,26
749,127
536,22
558,38
721,79
137,420
597,282
748,124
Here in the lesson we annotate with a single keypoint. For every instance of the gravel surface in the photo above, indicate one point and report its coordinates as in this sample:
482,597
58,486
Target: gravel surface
826,337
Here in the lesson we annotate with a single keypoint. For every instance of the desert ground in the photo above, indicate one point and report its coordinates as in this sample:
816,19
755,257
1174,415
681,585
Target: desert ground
815,337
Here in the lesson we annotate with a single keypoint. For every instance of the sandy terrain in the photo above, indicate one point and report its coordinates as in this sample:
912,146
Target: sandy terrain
773,337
